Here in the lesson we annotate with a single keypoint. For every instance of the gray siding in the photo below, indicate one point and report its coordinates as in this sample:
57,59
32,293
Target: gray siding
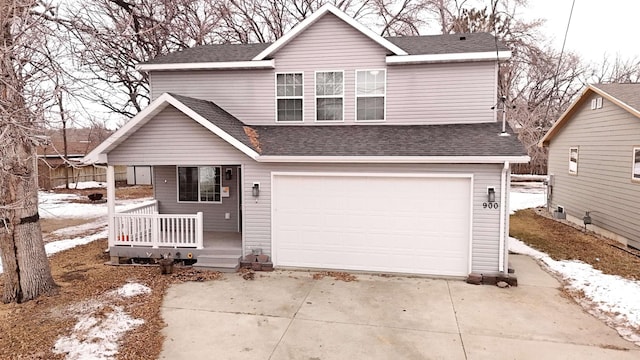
605,138
172,138
486,222
416,94
166,192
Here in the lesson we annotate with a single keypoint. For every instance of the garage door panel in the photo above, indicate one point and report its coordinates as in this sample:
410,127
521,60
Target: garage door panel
385,223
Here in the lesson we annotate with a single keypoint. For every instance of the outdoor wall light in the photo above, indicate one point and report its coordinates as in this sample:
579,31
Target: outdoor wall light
255,190
227,174
491,194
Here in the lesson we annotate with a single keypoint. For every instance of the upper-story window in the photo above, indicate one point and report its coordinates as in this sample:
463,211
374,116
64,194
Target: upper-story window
289,97
329,95
370,95
573,161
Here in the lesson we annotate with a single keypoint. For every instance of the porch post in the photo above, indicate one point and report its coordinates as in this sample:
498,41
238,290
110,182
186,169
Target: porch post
111,203
155,229
199,230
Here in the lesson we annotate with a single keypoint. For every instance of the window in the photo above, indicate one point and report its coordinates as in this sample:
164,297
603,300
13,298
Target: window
289,95
370,94
329,96
636,163
199,183
573,160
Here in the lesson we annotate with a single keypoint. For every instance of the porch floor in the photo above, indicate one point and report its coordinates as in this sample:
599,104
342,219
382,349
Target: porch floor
215,243
222,240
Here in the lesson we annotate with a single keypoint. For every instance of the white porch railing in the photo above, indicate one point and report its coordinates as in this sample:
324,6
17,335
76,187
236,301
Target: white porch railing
143,226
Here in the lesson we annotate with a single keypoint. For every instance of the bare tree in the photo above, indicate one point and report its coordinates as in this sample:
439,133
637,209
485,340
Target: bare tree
27,273
618,70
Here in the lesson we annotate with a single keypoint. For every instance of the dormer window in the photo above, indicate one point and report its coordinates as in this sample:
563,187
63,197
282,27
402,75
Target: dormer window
329,95
370,95
289,97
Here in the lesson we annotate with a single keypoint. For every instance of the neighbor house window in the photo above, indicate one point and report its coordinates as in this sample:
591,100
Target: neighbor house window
289,97
370,94
199,183
329,95
636,163
573,160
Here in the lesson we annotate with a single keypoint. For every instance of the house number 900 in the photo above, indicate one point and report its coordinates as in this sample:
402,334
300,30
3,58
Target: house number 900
491,205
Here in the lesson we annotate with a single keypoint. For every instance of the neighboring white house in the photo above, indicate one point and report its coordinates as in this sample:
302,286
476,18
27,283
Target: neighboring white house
594,161
331,148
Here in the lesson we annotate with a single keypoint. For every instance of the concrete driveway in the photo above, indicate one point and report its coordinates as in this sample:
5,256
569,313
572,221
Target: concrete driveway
288,315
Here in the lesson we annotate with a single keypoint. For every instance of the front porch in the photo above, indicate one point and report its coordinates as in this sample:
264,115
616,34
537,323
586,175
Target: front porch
141,232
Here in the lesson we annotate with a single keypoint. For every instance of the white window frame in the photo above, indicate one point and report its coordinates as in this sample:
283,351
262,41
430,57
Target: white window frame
301,97
315,100
636,150
577,149
384,95
198,201
599,102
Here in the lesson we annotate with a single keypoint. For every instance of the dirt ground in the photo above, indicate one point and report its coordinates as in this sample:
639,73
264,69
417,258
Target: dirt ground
30,330
565,242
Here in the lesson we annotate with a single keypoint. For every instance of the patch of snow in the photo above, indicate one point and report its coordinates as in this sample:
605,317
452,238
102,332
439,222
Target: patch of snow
527,195
609,297
85,185
96,337
66,244
131,290
528,177
80,229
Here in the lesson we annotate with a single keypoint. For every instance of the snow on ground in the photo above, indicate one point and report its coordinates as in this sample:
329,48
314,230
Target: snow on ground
525,195
99,327
52,205
611,298
85,185
132,289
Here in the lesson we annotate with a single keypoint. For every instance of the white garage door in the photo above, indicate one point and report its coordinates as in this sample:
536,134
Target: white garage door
386,223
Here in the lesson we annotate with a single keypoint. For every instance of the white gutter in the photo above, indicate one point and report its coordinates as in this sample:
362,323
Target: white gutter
455,57
503,221
395,159
251,64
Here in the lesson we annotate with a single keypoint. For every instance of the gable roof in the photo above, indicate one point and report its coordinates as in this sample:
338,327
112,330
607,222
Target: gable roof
469,143
323,10
403,49
626,96
206,113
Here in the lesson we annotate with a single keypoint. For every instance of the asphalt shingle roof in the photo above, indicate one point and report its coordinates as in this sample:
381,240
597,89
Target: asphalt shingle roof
628,93
363,140
217,116
413,45
447,44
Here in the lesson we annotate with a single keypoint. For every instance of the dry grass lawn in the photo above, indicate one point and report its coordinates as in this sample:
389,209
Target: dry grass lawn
565,242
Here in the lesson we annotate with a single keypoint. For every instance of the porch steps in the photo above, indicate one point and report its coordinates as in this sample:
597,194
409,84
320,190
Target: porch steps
223,262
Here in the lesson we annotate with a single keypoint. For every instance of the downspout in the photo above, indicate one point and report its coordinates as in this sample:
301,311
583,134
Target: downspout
503,217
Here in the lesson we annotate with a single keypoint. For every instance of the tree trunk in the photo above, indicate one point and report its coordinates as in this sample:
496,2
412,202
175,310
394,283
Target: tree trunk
26,267
27,273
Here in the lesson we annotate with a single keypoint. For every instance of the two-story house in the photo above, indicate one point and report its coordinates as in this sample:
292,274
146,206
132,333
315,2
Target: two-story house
330,148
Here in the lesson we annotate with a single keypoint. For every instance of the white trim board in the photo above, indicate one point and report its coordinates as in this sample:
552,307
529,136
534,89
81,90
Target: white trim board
455,57
251,64
395,159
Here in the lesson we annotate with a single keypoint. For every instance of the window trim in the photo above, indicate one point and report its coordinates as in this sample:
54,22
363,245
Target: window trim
355,91
198,201
577,149
635,148
315,93
276,98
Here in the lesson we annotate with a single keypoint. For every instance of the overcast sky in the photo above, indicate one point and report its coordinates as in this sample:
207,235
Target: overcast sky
597,26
